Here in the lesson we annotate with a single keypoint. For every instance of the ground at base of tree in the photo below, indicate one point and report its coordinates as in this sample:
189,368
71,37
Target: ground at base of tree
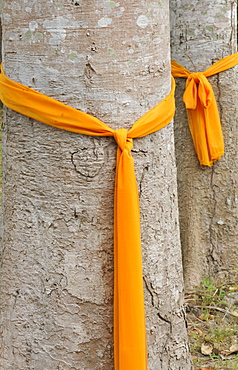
212,317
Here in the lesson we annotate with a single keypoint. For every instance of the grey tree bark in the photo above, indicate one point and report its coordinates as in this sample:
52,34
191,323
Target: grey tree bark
202,32
109,59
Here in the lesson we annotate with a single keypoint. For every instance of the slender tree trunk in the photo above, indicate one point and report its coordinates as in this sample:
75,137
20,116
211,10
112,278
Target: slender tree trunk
109,59
202,33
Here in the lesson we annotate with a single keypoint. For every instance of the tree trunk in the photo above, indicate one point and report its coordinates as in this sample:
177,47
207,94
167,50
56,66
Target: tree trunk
202,33
110,60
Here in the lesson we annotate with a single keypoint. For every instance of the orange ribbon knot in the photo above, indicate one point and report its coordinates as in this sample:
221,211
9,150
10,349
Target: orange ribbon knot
122,140
203,116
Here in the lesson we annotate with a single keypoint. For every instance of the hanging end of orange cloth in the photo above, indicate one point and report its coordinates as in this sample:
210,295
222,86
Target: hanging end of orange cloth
206,132
130,349
211,163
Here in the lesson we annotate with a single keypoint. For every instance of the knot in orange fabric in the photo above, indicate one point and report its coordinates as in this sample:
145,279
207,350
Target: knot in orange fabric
197,88
122,140
195,76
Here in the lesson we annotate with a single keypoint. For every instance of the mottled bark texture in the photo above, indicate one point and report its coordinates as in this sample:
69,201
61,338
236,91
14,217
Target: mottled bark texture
109,59
202,32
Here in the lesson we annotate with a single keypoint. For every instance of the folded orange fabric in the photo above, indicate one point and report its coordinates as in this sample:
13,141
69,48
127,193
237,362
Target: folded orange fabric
203,115
130,350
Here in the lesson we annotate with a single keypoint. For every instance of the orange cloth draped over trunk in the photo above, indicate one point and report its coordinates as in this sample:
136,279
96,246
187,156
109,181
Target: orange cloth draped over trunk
130,350
203,115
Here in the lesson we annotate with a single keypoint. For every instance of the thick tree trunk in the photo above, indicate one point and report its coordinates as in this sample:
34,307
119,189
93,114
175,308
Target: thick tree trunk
202,33
110,60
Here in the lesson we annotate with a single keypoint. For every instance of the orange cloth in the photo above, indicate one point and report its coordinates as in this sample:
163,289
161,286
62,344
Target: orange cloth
130,350
203,115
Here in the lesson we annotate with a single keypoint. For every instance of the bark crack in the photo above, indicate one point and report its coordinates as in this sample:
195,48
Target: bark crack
211,238
164,319
145,169
83,162
149,288
149,291
233,28
89,73
214,261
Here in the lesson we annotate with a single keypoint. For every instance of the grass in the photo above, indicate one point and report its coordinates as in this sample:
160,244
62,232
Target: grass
212,315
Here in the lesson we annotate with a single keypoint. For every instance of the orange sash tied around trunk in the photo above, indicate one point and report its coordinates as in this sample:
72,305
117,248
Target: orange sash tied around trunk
203,115
130,350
